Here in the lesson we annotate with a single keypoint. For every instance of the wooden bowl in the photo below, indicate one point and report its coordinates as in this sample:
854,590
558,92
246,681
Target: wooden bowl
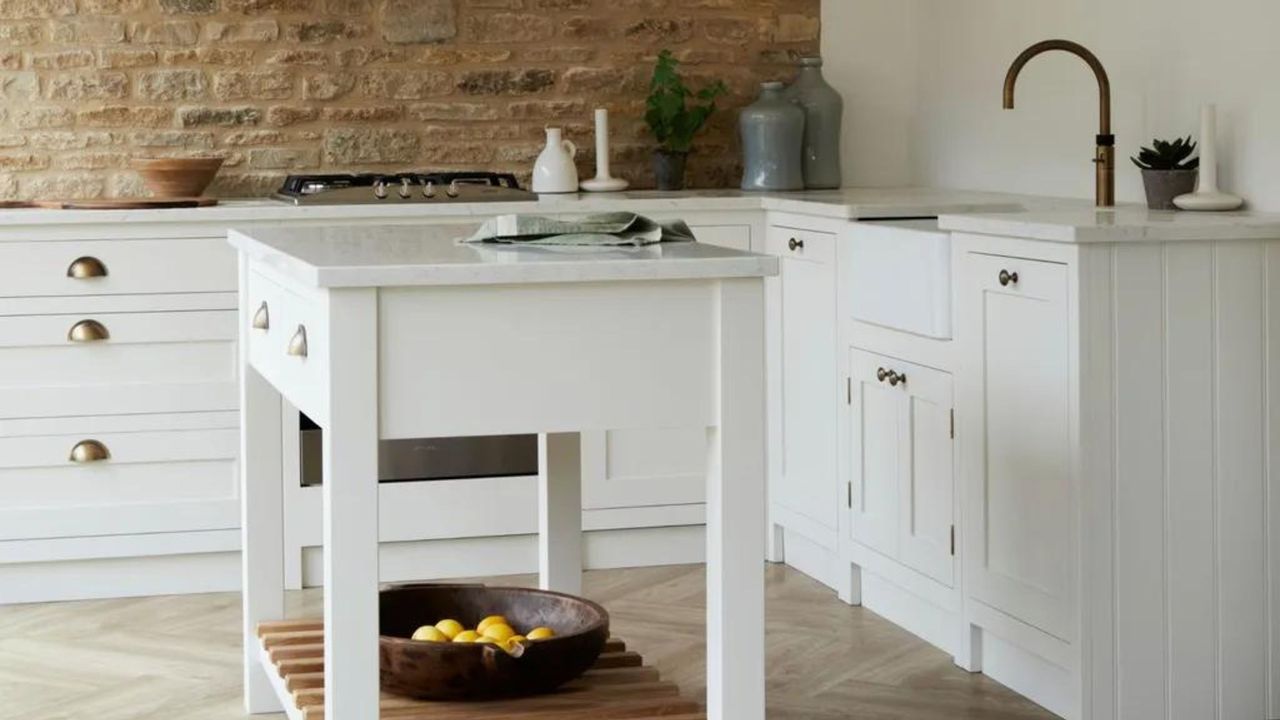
456,671
177,177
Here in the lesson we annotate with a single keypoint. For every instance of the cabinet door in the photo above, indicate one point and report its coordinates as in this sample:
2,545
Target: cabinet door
809,378
1015,450
901,486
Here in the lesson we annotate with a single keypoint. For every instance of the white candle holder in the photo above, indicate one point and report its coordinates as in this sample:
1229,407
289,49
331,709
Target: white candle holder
603,181
1207,196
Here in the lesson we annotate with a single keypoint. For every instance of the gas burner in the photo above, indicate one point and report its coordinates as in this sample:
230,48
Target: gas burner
398,188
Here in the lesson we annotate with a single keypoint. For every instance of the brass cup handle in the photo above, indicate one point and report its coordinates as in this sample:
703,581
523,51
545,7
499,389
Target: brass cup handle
87,331
89,451
795,244
262,318
1008,278
86,267
298,343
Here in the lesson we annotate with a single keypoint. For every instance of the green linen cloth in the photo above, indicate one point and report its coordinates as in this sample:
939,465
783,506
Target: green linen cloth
613,228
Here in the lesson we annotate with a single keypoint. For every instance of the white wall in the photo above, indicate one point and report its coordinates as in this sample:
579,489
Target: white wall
1165,57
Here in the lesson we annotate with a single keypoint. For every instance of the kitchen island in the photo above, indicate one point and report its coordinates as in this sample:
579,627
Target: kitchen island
381,332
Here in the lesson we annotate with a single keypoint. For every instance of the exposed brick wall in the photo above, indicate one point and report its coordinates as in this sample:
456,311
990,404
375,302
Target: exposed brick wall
280,86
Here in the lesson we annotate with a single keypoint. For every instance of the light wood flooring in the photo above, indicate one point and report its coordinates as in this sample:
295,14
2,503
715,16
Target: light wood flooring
178,657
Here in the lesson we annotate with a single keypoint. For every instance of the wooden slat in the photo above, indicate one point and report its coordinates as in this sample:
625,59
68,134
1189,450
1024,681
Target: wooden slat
618,660
279,626
300,666
302,637
295,652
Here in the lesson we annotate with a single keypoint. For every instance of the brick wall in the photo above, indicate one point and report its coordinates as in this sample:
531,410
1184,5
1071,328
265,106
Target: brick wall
278,86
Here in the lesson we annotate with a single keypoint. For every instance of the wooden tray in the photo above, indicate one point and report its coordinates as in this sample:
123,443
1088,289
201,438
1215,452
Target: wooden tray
125,203
620,685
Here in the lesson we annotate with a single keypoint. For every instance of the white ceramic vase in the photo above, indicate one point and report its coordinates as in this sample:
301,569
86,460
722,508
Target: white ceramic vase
603,181
554,171
1207,196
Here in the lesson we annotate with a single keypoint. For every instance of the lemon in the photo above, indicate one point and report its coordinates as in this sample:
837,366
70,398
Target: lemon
466,636
491,620
498,631
541,633
430,634
450,628
486,640
511,643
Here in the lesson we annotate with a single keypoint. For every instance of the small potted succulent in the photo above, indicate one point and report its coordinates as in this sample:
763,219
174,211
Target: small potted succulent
1168,170
673,121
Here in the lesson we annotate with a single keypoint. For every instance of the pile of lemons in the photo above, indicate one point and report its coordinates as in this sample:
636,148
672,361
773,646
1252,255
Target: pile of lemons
493,630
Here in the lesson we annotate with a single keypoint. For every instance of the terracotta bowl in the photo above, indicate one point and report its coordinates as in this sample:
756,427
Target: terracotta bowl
455,671
177,177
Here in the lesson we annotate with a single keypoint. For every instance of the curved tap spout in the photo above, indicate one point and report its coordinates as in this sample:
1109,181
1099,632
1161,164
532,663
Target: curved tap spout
1104,156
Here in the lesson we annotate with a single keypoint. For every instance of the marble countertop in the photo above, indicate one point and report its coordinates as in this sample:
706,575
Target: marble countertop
1079,222
370,255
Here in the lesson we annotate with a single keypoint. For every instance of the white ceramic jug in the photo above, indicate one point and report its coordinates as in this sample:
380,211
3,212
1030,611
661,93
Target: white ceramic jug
554,172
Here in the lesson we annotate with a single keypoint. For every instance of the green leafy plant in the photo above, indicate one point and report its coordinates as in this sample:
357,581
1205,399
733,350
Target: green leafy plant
1164,155
671,118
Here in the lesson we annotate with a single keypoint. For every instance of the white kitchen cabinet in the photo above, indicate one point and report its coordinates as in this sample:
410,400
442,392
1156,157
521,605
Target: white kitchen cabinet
1019,484
901,483
807,404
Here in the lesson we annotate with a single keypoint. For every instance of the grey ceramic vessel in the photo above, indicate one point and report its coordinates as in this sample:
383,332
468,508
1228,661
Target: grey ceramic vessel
1163,186
823,115
772,130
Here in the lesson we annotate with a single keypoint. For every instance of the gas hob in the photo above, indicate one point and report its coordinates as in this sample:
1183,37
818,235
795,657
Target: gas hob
401,188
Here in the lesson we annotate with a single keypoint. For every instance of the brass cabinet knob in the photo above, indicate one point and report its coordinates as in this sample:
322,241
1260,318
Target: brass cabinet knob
88,331
881,374
262,318
86,267
89,451
298,343
896,379
1007,278
795,244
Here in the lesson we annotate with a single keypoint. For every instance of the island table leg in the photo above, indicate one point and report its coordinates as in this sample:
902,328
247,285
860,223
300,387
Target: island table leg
261,529
560,512
736,511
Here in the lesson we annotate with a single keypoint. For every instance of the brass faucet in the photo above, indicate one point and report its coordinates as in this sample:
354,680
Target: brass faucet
1105,154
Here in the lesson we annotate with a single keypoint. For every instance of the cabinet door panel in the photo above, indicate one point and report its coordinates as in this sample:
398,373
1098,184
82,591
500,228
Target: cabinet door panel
928,489
877,453
1017,367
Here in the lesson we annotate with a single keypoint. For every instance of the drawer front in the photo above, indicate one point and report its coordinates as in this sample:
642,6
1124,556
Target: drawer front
801,244
111,267
116,480
290,349
114,363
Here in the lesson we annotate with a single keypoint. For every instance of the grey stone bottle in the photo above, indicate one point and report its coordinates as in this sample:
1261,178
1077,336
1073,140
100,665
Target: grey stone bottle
823,110
772,130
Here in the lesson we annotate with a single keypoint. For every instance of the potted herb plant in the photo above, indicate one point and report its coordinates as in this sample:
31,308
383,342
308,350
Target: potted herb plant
1168,170
673,120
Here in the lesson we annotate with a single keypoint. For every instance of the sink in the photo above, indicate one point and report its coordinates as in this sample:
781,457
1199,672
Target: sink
899,275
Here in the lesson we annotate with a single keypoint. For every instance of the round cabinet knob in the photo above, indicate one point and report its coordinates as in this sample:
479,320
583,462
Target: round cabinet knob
1008,278
896,379
86,267
795,244
87,331
298,343
89,451
262,318
881,374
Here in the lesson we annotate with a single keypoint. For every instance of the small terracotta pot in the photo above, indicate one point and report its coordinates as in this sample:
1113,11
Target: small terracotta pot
1163,186
177,177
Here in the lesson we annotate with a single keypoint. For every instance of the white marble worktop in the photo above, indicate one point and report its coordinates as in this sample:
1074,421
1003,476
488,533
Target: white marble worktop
370,255
1077,222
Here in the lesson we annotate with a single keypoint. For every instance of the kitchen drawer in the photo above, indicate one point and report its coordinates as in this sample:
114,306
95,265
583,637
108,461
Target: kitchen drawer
800,244
29,269
153,473
147,362
899,276
290,349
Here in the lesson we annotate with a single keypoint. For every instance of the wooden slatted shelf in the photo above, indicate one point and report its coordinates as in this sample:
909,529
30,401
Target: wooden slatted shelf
618,686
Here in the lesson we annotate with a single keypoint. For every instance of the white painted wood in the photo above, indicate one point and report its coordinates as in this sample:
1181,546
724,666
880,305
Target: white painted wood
261,519
133,266
899,276
1273,475
88,579
736,508
350,372
1240,501
878,452
643,467
119,546
737,237
290,311
560,512
1017,458
927,485
89,304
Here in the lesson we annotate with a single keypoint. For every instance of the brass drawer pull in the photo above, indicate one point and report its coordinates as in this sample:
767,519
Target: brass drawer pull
87,331
262,318
298,344
86,267
795,244
1007,278
89,451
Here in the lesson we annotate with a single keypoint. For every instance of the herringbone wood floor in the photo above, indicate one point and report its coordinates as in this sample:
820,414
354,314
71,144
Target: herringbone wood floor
178,657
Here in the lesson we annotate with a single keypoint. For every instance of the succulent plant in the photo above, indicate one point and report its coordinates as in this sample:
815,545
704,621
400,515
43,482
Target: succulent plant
1165,155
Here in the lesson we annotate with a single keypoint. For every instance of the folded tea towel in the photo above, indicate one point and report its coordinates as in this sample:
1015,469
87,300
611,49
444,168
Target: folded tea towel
614,228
